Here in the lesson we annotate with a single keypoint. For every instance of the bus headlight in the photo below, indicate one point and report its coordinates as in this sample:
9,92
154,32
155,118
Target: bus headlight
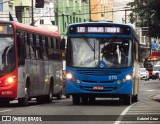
128,77
69,76
8,81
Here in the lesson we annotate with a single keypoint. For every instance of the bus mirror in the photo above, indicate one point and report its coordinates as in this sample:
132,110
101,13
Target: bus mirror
62,44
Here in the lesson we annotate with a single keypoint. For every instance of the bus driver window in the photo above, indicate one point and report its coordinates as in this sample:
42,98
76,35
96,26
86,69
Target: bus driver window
109,54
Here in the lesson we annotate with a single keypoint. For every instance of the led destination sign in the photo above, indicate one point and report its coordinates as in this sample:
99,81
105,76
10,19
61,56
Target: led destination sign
100,29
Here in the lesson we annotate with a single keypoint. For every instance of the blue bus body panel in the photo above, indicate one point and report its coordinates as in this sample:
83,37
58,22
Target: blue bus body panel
100,36
112,81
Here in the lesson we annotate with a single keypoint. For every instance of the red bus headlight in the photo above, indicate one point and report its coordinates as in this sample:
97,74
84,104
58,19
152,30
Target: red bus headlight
9,81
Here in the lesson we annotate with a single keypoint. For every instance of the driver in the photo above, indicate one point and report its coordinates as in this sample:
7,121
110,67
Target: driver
109,53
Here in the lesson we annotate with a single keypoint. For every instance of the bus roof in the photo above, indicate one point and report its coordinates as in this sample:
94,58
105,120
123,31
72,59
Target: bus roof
34,29
134,34
100,22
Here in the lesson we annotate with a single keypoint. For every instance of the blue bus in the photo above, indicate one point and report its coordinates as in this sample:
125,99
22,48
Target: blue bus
102,60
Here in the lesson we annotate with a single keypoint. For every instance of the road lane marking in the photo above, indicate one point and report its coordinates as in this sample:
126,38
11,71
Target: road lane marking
122,114
6,111
150,90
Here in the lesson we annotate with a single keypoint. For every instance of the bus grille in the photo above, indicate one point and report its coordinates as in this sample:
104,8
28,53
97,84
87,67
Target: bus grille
91,81
98,72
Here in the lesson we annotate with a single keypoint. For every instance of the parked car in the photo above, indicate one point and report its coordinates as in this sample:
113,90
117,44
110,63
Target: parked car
144,75
155,72
159,76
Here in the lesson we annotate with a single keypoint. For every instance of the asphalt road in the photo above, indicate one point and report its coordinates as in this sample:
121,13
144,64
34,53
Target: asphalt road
103,111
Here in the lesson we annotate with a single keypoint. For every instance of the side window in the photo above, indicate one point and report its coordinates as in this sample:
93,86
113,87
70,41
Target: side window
57,44
50,49
56,51
20,44
52,43
44,48
27,43
39,47
32,47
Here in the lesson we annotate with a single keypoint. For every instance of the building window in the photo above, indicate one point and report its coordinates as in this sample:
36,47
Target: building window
1,5
41,21
74,19
70,19
19,14
85,1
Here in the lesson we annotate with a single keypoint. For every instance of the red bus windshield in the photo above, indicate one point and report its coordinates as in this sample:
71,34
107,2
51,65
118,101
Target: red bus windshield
150,62
7,54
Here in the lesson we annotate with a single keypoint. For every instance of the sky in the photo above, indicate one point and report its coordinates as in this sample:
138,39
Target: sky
118,3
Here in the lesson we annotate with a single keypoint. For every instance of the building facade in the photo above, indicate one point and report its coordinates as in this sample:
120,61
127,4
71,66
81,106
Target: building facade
6,7
24,12
101,10
70,11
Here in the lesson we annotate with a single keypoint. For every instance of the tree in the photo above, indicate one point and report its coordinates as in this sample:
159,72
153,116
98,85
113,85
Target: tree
146,13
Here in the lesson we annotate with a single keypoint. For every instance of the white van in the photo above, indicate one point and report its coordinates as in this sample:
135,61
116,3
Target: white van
156,71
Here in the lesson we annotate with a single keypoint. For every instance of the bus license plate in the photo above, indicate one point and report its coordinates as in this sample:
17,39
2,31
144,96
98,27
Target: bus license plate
97,88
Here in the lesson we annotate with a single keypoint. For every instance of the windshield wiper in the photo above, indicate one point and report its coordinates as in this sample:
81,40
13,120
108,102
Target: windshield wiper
92,48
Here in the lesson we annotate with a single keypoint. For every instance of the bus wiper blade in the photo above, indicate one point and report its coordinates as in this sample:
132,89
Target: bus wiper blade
92,48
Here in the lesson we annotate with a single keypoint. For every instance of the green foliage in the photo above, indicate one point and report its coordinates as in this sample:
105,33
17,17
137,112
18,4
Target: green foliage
146,13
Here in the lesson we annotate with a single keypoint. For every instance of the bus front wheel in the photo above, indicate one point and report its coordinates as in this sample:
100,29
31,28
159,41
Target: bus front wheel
127,99
24,101
76,99
134,98
84,99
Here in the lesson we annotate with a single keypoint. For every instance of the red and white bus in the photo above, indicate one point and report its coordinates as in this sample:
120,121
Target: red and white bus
30,63
149,64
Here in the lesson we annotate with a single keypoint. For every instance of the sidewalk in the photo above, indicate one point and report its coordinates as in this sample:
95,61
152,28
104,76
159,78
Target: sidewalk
156,97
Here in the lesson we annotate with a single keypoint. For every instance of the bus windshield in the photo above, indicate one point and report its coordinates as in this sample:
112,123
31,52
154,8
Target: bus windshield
99,52
7,56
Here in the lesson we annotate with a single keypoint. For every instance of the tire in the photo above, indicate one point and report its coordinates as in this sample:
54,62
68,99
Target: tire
50,94
40,99
24,101
92,100
76,99
127,100
135,98
67,96
84,100
59,95
4,102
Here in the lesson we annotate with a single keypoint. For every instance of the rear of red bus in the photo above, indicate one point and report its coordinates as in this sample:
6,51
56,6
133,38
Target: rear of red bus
8,71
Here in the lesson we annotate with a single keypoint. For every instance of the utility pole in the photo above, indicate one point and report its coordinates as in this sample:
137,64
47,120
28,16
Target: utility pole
32,13
125,16
89,10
